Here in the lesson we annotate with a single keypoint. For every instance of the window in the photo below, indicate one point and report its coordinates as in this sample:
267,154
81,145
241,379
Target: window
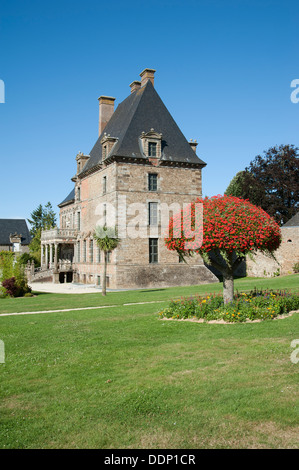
79,194
152,149
78,221
153,213
78,252
84,251
107,281
91,251
108,255
152,182
104,184
153,250
16,247
104,151
98,280
98,254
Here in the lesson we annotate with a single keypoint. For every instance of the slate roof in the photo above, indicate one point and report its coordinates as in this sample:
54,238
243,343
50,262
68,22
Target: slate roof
70,198
142,111
12,226
293,222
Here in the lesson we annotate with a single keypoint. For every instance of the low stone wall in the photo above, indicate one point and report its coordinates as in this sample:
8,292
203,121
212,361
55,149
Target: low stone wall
286,256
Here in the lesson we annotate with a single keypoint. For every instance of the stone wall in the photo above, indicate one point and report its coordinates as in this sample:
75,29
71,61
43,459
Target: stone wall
286,255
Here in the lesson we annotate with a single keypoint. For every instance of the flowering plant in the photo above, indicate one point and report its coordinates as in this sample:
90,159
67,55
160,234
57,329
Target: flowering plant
230,229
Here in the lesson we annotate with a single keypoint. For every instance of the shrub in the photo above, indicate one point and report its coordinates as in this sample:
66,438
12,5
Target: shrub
256,305
296,267
15,287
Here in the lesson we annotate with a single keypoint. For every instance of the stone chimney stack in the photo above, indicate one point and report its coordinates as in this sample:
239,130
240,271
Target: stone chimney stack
135,86
106,104
193,144
147,74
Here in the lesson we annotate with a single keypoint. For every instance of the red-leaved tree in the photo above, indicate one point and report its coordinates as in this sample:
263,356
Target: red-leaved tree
230,229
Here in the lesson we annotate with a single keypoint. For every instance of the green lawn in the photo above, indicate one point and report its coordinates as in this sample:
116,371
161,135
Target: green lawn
121,378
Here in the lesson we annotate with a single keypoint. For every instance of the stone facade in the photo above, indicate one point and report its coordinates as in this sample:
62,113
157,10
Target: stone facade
116,189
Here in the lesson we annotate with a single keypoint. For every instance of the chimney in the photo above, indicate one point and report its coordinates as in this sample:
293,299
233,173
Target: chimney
135,86
106,110
147,74
193,144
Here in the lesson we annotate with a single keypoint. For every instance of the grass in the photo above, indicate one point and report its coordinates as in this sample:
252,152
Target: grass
121,378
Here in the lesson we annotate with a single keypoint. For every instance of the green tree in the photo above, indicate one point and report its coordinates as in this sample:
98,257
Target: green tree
235,187
42,218
107,240
271,182
231,228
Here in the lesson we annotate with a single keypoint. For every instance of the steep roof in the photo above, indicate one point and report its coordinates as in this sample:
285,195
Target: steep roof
139,112
11,226
70,198
293,222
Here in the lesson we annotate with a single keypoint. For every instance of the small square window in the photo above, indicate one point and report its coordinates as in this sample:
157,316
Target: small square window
152,182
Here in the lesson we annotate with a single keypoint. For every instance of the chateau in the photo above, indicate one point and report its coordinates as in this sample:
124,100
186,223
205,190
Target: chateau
140,165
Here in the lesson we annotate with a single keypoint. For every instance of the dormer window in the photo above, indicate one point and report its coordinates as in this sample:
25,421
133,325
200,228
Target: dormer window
151,144
108,143
152,149
81,161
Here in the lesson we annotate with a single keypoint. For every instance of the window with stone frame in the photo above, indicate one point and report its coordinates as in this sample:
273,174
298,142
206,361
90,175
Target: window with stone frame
91,251
152,181
84,251
104,184
151,144
153,213
152,149
153,250
78,251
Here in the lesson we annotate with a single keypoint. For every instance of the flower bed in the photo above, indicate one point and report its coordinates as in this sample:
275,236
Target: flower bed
255,305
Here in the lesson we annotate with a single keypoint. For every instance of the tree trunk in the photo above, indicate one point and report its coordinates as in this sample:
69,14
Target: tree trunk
104,274
228,286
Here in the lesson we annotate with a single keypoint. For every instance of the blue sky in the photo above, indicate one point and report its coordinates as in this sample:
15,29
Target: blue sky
224,70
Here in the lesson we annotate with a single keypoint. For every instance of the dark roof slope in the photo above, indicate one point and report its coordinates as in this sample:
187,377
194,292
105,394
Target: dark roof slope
142,111
70,198
12,226
293,222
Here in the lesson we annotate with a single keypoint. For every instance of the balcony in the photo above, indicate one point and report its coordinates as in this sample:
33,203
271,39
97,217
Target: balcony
59,235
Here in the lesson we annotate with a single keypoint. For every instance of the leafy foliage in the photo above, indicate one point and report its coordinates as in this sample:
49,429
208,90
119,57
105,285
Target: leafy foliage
272,182
256,305
42,218
12,276
232,228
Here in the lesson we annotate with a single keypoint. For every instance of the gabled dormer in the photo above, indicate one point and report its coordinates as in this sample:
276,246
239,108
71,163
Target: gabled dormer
81,160
151,143
107,143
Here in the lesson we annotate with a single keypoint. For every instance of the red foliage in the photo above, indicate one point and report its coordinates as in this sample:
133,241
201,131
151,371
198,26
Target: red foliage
11,286
229,224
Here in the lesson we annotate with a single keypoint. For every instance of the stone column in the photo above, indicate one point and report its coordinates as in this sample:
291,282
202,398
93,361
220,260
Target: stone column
42,260
47,257
51,255
56,256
